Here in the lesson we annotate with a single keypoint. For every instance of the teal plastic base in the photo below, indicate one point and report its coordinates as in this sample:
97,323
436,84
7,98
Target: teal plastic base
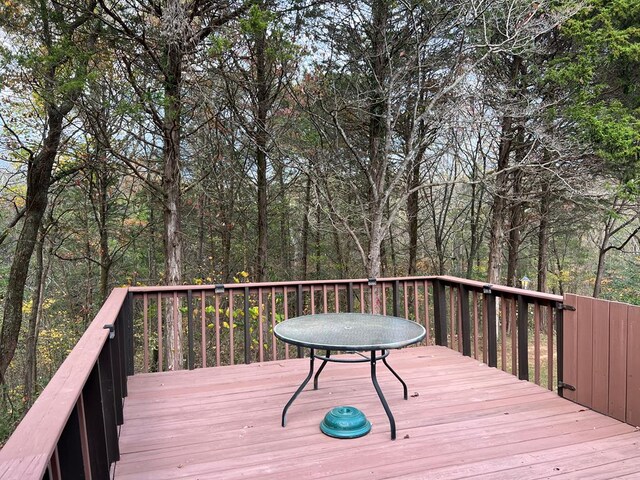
345,422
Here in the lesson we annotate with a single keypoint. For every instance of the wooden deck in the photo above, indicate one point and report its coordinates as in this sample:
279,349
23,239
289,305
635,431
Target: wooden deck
462,420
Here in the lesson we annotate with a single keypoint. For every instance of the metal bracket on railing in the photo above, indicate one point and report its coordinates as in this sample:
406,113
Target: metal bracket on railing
219,288
112,330
486,289
566,386
564,306
371,282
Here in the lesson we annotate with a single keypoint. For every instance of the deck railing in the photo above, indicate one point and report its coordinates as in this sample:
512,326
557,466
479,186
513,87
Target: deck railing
71,431
233,323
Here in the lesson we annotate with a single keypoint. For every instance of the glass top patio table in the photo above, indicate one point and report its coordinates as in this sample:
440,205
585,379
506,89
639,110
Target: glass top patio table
350,332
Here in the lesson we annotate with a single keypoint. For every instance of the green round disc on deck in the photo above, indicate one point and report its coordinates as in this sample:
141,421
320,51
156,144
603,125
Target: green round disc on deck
345,422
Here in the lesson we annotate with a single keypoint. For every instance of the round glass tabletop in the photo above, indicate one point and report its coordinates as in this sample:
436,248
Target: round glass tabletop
349,331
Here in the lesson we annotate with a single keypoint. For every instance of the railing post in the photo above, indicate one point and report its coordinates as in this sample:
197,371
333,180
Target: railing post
69,448
299,310
109,403
247,327
396,288
492,337
350,297
127,315
119,357
191,353
559,347
95,426
439,313
523,338
466,320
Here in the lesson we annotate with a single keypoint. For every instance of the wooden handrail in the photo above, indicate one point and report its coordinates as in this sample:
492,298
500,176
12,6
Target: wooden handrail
30,448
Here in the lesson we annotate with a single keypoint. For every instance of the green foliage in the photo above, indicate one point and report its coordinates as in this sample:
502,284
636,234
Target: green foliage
602,70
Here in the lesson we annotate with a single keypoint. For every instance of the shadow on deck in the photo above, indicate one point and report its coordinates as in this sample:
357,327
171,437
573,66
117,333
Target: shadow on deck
462,420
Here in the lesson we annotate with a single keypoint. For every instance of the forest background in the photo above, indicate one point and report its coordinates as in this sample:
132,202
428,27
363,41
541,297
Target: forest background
148,142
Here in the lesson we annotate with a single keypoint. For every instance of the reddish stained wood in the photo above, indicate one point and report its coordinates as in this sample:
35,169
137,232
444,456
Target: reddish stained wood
416,308
536,342
203,327
550,364
383,295
373,308
633,366
171,430
145,332
274,346
313,299
324,298
231,342
84,438
514,339
476,332
177,335
570,346
485,332
405,294
618,360
452,320
458,295
584,377
336,298
159,327
31,447
286,316
217,327
260,327
503,333
427,321
362,300
600,361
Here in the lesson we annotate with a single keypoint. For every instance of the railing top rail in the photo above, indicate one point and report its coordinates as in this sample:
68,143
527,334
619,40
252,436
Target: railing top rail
252,285
29,449
501,288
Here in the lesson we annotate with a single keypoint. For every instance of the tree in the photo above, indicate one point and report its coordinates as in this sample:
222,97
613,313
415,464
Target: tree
163,39
56,59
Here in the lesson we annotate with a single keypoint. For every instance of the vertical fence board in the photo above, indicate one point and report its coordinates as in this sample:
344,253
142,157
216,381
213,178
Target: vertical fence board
600,363
617,360
145,332
585,353
569,347
159,326
203,328
633,366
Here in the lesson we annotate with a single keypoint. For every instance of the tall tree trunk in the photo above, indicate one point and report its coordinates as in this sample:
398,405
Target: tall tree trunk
543,239
377,133
499,202
38,180
515,226
305,230
171,189
285,245
262,99
103,214
30,365
412,217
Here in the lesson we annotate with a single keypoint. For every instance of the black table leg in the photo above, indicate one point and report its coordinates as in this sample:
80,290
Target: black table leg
392,421
404,385
324,362
300,388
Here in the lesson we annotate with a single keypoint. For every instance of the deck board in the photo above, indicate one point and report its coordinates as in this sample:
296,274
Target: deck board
463,420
